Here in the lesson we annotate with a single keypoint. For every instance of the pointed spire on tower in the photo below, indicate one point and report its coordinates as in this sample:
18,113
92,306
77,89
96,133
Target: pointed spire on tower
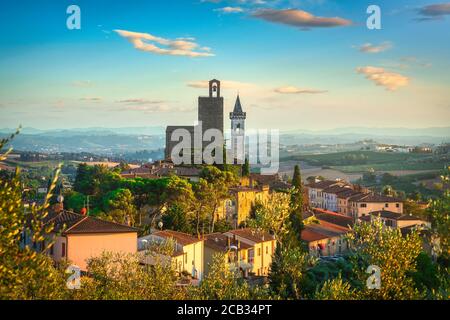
237,111
237,105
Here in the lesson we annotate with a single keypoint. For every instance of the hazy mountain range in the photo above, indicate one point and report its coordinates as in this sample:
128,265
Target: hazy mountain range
130,139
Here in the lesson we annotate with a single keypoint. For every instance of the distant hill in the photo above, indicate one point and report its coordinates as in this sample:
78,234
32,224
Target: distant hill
377,131
131,139
89,131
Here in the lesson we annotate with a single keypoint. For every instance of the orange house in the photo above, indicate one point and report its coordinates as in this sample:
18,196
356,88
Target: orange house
79,238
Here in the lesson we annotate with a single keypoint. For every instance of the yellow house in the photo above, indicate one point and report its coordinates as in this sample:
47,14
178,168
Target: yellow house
188,254
235,252
79,238
238,207
325,238
262,248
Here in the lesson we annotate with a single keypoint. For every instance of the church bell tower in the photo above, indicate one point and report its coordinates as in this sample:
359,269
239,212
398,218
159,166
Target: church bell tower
237,118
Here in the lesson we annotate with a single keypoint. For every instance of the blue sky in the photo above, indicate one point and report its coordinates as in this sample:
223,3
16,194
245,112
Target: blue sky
288,77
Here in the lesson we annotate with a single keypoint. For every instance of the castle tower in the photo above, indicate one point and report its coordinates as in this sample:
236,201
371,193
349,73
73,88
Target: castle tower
237,118
210,109
210,114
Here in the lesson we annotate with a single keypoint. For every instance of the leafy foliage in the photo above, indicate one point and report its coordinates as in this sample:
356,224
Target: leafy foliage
288,268
119,276
336,289
223,284
24,272
395,255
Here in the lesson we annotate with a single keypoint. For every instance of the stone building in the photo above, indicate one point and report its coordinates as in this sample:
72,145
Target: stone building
210,116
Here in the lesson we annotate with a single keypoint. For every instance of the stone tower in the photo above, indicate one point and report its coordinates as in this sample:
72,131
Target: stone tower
237,118
210,109
210,114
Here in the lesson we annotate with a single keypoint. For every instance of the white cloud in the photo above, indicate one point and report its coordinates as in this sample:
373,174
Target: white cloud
299,18
390,80
226,84
295,90
140,101
371,48
179,47
229,10
154,108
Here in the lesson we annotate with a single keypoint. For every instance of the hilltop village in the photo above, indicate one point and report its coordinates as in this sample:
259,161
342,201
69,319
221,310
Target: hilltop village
203,210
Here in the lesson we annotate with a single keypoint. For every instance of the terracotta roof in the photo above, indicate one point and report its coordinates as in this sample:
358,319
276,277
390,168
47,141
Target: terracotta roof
365,218
393,215
334,218
94,225
252,235
264,178
309,235
323,230
348,194
373,197
180,237
219,241
280,185
138,175
75,223
336,189
180,171
322,184
62,219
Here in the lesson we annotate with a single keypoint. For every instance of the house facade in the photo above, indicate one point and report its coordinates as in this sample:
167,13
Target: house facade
364,204
394,219
77,238
316,196
261,249
238,207
236,253
188,251
325,238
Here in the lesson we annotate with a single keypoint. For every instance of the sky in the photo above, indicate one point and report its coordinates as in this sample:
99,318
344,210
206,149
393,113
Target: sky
311,64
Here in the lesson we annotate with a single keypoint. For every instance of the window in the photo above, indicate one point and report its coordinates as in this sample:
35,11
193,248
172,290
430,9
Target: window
63,249
386,205
185,258
363,205
397,205
259,252
267,249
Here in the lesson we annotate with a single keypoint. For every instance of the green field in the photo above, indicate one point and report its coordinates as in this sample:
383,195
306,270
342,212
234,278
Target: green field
361,161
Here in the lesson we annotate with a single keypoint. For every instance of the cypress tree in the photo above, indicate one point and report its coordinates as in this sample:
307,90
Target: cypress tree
246,168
